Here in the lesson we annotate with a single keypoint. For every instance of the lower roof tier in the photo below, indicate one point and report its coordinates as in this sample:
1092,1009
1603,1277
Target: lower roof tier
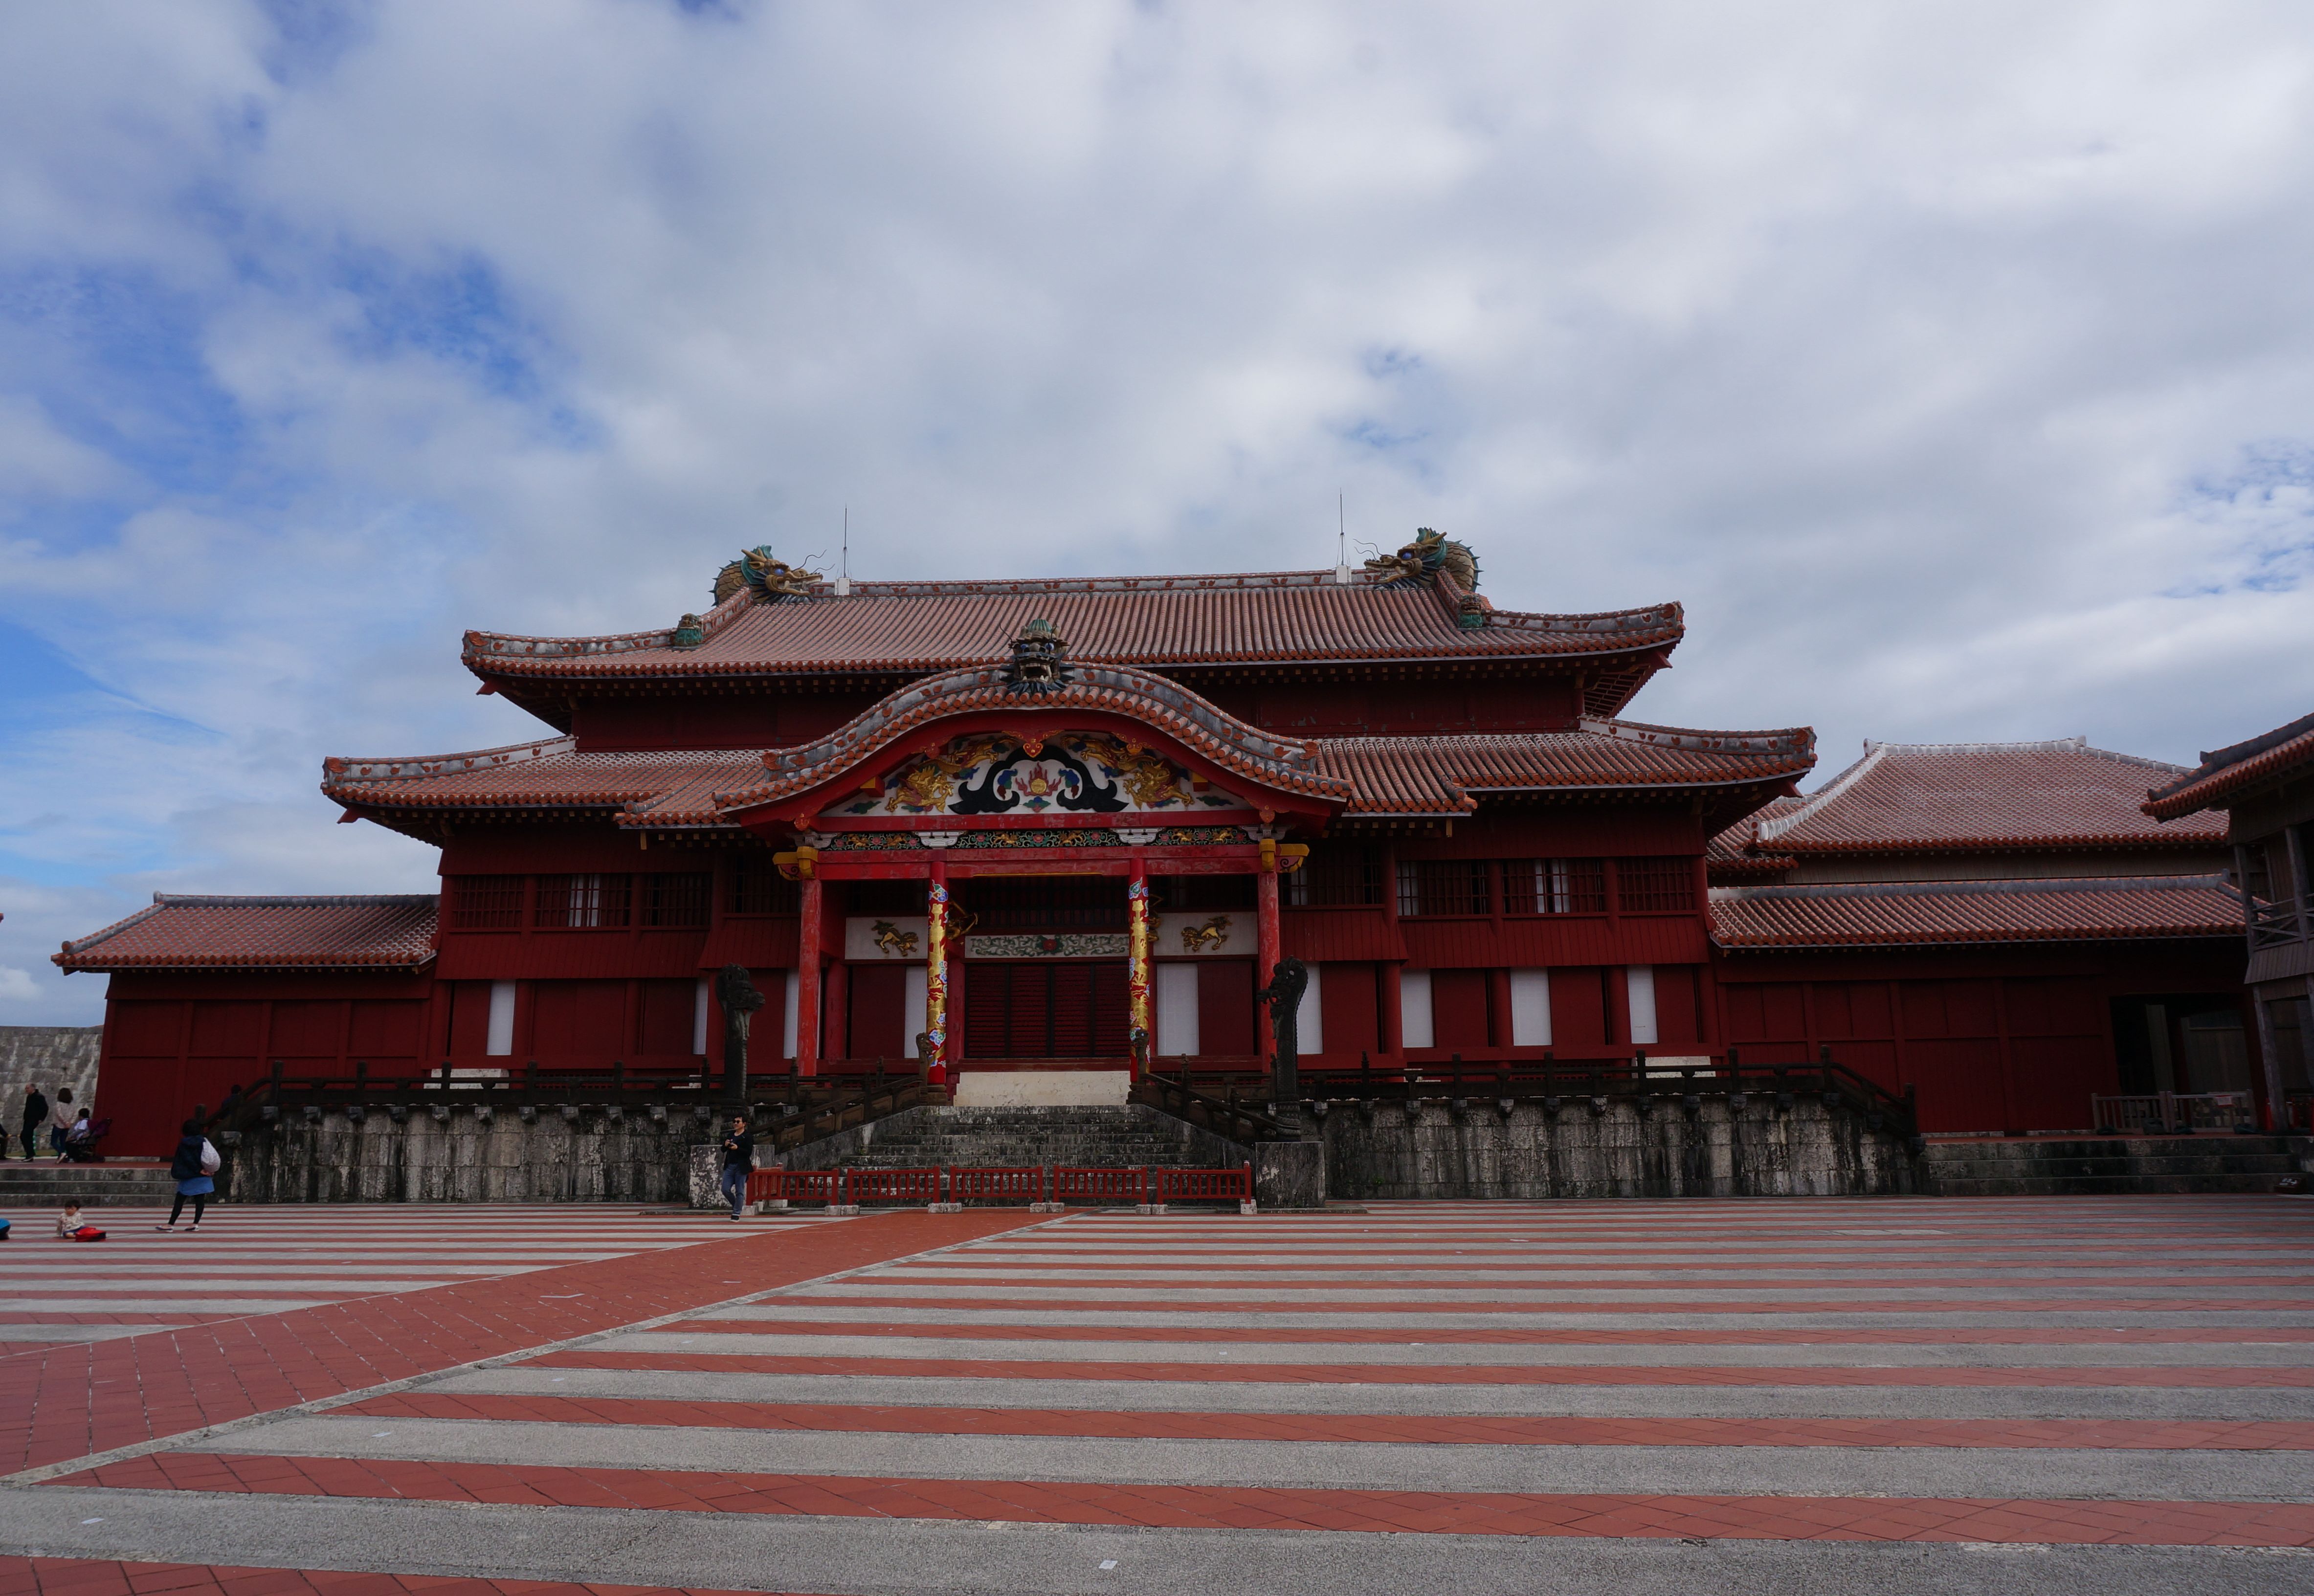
389,935
1964,913
1447,777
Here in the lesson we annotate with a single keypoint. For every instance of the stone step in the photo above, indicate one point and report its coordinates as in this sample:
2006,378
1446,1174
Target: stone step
50,1185
1978,1168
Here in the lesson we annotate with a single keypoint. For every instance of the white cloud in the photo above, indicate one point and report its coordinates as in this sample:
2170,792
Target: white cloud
1953,362
16,985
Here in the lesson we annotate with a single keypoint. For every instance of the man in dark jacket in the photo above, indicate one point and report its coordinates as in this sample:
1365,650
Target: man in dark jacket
36,1111
739,1160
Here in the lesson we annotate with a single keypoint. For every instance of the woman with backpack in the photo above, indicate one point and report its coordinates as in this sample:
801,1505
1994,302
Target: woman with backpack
195,1161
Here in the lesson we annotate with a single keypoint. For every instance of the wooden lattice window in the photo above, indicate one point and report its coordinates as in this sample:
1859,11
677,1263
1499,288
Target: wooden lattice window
1436,886
1336,878
486,903
1554,886
584,903
675,900
757,887
1655,885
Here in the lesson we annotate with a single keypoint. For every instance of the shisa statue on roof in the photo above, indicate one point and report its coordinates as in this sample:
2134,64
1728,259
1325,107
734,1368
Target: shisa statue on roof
768,577
1429,553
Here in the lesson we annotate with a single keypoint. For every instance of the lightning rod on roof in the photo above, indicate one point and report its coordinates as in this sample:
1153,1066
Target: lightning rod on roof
1341,539
843,571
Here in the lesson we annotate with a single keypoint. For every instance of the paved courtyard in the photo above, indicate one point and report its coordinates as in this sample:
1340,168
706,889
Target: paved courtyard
1852,1397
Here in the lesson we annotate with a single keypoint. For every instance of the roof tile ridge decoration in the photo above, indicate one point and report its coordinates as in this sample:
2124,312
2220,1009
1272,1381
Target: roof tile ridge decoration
1036,585
1777,825
2001,886
2079,745
74,944
1197,721
499,645
2228,770
1790,739
341,769
326,900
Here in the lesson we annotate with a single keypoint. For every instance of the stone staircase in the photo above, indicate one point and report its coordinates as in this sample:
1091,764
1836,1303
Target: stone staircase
49,1185
1136,1136
2088,1165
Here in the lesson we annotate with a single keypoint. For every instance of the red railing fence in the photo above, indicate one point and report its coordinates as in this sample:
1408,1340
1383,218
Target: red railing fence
1059,1185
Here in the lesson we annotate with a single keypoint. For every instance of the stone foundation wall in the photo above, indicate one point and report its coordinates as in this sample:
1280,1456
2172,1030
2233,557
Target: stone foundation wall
1803,1150
588,1157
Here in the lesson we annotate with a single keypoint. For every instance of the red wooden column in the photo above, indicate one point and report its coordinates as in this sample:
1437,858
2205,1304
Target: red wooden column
1265,899
936,970
807,1055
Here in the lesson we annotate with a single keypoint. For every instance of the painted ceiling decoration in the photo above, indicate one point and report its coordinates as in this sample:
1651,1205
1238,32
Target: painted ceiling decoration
1071,772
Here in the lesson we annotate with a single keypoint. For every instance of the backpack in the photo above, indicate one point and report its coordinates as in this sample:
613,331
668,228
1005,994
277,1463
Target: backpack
88,1233
211,1161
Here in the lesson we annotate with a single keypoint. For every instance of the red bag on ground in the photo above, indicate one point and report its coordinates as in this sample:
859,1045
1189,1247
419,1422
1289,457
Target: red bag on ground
88,1233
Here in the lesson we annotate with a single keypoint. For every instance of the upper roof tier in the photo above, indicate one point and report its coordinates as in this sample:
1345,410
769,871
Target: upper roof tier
2225,775
907,628
1946,798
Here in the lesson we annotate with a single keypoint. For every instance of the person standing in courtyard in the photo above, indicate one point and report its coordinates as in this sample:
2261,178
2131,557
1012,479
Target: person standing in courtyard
60,1123
738,1163
35,1110
195,1161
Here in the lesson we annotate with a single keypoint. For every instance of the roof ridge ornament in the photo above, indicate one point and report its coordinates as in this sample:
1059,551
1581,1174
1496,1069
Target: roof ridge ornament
769,578
1431,553
1040,660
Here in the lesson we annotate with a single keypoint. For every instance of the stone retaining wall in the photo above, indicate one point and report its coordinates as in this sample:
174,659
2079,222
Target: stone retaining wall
588,1156
54,1056
1802,1151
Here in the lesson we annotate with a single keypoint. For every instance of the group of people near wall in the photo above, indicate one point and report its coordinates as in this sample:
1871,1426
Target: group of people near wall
69,1129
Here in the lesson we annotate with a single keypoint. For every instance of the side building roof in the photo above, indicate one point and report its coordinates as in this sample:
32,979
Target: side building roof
2225,774
1963,913
1932,797
180,933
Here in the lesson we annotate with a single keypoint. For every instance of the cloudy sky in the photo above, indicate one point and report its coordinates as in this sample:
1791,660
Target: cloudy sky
1950,362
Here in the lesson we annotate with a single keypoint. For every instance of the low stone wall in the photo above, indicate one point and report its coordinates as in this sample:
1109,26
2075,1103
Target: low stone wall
53,1056
589,1156
1762,1151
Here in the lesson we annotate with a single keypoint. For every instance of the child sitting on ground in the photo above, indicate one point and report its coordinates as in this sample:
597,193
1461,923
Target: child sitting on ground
68,1221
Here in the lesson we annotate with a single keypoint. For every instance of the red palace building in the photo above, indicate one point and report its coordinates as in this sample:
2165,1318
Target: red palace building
1027,825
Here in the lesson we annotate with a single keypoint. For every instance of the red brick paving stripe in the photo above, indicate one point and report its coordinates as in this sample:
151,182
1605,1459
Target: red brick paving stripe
89,1576
2077,1522
1436,1336
1700,1305
2198,1436
1433,1374
68,1399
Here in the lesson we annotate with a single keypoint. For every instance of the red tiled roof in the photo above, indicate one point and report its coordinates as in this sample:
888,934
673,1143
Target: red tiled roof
304,933
1909,797
1440,775
1377,776
550,774
912,627
1729,853
2285,750
1916,914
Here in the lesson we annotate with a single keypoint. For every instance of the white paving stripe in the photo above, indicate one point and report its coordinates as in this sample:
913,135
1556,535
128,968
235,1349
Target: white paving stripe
253,1260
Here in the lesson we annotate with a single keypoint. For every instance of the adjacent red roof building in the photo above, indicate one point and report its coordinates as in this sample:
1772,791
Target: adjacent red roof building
1999,924
2264,787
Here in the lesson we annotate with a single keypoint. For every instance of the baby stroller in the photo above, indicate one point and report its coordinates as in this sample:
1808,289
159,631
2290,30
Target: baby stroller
80,1145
